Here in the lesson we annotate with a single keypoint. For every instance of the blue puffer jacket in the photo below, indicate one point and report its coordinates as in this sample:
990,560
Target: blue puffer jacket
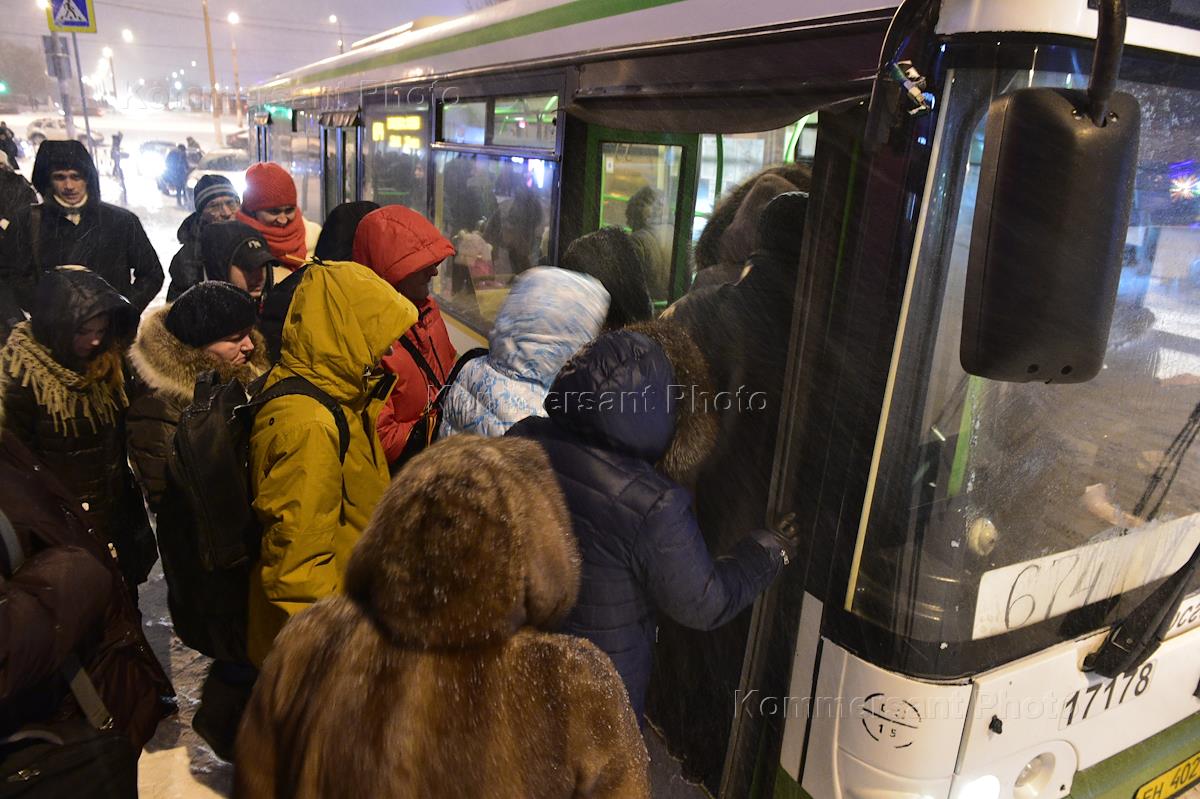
643,553
547,317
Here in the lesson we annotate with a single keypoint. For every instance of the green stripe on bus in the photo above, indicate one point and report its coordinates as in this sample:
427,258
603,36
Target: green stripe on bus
787,788
538,22
1121,775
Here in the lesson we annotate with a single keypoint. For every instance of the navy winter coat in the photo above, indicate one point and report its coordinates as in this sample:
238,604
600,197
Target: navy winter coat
643,553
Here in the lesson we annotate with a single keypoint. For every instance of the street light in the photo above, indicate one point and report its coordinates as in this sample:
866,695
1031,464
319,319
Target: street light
127,36
234,19
333,20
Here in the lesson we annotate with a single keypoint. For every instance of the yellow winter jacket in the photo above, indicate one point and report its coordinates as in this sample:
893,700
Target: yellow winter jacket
342,319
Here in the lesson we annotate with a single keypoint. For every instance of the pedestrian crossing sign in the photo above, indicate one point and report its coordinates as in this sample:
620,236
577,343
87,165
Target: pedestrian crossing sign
71,16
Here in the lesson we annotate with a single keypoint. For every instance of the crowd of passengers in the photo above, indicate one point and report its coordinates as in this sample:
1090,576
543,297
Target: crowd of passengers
465,558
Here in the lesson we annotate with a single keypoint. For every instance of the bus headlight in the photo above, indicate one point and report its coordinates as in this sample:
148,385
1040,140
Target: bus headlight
1032,780
985,787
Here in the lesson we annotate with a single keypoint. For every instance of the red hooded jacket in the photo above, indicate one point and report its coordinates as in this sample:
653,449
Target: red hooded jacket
395,242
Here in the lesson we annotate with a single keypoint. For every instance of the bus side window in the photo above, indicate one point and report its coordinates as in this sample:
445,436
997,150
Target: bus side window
496,210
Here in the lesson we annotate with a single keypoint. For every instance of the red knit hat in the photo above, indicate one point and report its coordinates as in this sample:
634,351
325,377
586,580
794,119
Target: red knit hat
267,186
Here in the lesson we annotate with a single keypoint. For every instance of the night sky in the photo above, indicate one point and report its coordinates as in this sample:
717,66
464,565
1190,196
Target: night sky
169,34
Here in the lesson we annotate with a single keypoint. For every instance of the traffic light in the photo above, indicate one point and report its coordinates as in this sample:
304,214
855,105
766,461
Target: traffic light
3,87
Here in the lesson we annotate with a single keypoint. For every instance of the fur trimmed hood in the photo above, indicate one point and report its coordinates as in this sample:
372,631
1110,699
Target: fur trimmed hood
470,543
168,365
696,418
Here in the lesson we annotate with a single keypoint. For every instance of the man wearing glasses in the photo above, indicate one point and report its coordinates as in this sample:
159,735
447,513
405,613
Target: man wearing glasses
216,202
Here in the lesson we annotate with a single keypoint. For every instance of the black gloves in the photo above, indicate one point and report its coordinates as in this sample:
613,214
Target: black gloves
782,537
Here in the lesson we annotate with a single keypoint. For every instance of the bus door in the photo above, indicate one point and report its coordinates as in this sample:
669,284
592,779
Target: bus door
645,184
341,139
260,137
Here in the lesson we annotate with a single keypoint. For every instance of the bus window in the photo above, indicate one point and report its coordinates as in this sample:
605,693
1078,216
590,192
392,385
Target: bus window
525,122
350,139
464,123
639,192
393,161
497,210
726,160
296,149
329,169
1000,505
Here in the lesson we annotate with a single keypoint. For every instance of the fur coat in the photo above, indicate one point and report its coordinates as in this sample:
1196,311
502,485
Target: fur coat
432,676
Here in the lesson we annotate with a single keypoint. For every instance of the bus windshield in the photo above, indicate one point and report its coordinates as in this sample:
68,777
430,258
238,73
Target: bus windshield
1000,508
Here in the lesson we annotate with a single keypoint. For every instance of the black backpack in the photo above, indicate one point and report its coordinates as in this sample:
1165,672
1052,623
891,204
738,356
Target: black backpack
427,427
207,560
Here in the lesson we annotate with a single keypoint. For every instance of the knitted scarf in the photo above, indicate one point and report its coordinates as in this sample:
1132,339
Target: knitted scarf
98,396
287,243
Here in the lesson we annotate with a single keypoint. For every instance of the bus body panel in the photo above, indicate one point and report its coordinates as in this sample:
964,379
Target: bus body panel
892,733
1047,697
543,29
1068,19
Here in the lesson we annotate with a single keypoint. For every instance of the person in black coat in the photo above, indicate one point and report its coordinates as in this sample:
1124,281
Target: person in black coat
16,195
74,227
176,172
336,242
611,419
742,328
63,387
68,597
216,202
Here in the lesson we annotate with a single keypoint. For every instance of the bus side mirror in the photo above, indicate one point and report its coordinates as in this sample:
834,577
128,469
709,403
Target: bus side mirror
1048,236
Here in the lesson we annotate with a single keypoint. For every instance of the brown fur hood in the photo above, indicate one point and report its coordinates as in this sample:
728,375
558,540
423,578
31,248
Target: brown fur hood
471,542
168,365
696,422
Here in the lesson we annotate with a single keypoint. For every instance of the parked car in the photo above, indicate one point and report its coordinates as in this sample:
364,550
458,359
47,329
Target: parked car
152,157
239,139
56,128
231,164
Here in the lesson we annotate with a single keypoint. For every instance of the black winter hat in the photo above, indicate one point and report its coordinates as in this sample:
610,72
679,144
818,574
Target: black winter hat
220,243
210,311
209,188
336,242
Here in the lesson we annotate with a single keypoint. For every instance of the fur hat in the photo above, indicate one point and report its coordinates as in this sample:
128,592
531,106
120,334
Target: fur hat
267,186
210,311
471,541
209,188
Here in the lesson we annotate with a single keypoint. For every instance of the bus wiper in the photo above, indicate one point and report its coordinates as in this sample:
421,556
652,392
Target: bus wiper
1134,640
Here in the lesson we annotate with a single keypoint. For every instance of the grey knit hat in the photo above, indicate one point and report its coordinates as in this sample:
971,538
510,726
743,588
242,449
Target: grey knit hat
210,187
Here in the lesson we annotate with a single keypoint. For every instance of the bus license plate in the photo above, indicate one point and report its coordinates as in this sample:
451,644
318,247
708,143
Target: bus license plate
1172,782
